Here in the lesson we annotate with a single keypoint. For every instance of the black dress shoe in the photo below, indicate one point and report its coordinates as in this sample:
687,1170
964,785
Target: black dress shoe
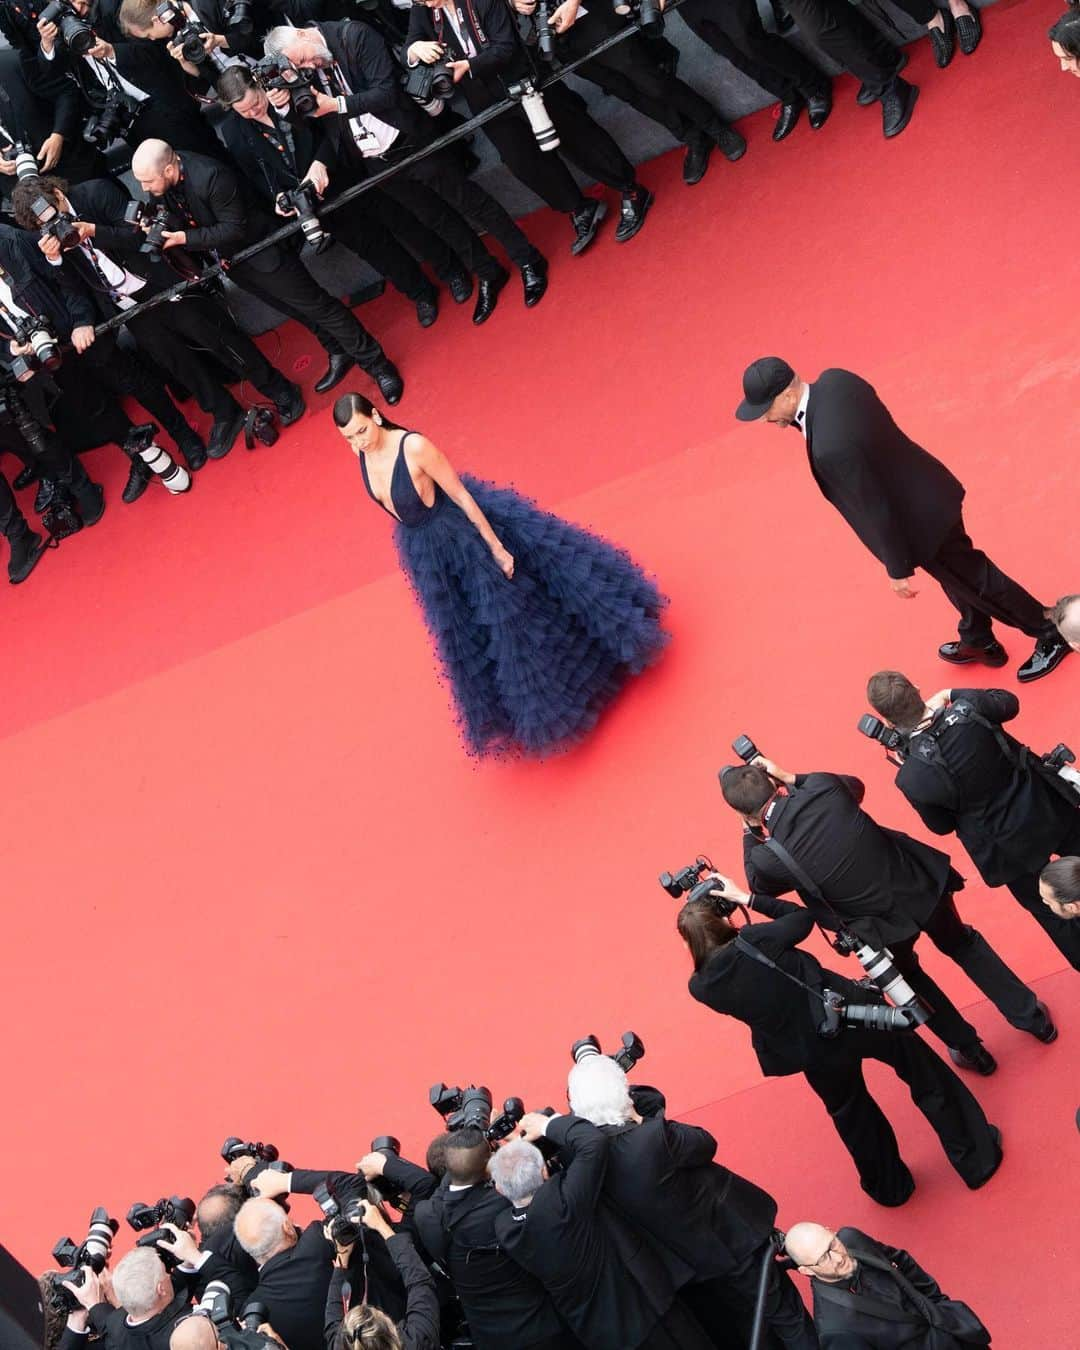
1048,655
191,447
969,30
1046,1031
90,499
487,296
138,481
44,495
897,105
586,221
699,150
387,376
995,1134
290,404
632,213
979,1060
460,286
24,478
731,142
943,40
223,434
818,107
534,281
427,308
866,95
963,653
788,119
339,367
26,552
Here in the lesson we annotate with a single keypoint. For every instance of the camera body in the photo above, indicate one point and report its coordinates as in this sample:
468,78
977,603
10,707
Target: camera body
303,202
93,1251
633,1049
189,32
155,217
896,743
112,123
76,34
234,1147
55,224
471,1107
175,1209
346,1224
34,331
239,19
429,85
689,881
278,72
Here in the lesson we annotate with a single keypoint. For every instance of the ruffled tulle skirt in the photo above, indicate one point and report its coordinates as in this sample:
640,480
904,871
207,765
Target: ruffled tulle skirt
532,662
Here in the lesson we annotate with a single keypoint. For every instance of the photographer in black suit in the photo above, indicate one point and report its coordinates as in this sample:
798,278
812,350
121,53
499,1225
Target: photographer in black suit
780,1000
662,1176
216,1217
610,1284
904,505
215,216
503,1303
44,115
809,833
370,117
965,776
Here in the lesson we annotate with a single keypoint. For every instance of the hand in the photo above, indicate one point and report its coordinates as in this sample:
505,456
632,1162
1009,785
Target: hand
318,176
565,16
180,1243
173,238
940,700
342,1253
52,147
270,1183
504,561
902,587
532,1126
19,348
279,98
774,770
459,69
83,337
47,33
374,1219
731,889
88,1294
325,106
50,247
372,1165
102,51
7,166
212,41
427,53
238,1169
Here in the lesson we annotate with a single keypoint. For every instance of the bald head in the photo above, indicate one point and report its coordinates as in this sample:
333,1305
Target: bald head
263,1229
806,1241
151,156
194,1333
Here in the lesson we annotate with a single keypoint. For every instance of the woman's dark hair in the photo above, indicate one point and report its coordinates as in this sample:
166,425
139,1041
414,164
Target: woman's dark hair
348,405
703,930
1066,32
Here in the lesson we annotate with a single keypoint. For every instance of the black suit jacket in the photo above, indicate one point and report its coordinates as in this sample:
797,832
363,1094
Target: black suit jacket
499,54
293,1286
661,1176
228,219
37,107
883,884
783,1019
607,1281
923,1319
41,289
898,499
265,170
962,781
374,77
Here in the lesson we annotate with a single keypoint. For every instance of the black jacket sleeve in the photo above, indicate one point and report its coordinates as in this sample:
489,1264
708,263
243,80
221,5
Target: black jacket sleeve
367,52
76,299
790,924
688,1145
501,48
420,1327
228,234
766,875
583,1150
996,705
409,1176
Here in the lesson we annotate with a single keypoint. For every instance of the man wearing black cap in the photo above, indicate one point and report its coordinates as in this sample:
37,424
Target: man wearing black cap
904,505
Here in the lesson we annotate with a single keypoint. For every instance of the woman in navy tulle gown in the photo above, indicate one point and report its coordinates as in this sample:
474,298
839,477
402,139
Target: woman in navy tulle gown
537,623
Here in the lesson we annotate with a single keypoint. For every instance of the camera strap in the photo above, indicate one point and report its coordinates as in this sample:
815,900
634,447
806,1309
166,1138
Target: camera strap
802,878
750,950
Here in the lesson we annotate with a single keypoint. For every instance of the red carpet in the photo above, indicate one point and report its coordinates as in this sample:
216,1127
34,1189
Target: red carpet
253,885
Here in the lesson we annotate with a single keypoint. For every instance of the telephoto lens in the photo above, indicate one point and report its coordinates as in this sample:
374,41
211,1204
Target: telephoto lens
588,1045
140,441
880,967
878,1017
214,1303
547,138
26,165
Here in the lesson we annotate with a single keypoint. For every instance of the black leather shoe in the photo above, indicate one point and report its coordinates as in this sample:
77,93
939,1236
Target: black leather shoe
223,434
586,222
1046,1031
696,160
24,478
897,105
427,308
534,280
138,481
1048,655
962,654
866,95
487,295
943,40
731,142
788,119
339,367
818,107
290,404
979,1060
460,286
44,495
387,376
26,552
995,1134
90,499
969,30
190,445
632,213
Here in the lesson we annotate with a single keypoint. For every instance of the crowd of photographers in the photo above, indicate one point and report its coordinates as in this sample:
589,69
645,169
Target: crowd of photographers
237,117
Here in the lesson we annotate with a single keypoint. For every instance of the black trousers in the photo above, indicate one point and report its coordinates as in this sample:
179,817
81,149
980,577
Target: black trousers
983,967
173,334
46,453
725,1307
1063,933
678,1329
123,374
922,11
358,226
953,1113
982,592
289,287
852,41
733,28
629,72
439,194
421,241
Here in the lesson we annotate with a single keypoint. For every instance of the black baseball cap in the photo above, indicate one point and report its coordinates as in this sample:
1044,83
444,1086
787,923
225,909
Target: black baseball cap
762,380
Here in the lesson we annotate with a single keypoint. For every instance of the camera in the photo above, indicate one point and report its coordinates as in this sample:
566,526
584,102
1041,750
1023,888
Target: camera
384,1189
882,970
155,218
189,32
260,424
633,1049
534,108
463,1108
545,35
24,159
110,124
55,224
278,72
692,882
895,742
429,85
34,331
176,1209
872,1016
1059,762
302,201
93,1251
346,1224
175,477
234,1148
214,1303
649,15
75,32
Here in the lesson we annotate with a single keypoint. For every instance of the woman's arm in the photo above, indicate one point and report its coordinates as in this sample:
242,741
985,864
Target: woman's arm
435,464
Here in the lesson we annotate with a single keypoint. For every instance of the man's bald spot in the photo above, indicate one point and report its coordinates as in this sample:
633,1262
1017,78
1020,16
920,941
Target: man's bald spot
194,1333
215,1209
806,1243
151,157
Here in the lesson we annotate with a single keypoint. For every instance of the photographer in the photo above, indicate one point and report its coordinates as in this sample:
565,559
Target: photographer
294,1271
210,213
279,152
485,58
43,115
504,1305
354,1322
965,776
782,1004
114,263
1059,888
661,1176
216,1217
370,118
808,833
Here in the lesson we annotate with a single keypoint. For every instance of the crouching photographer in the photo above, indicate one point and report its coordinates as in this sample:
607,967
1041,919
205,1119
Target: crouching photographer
805,1019
1010,808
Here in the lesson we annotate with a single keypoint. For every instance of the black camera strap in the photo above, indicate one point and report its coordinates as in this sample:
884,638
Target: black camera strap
802,878
750,950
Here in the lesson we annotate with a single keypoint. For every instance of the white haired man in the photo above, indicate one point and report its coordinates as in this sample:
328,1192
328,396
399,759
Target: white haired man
294,1270
661,1175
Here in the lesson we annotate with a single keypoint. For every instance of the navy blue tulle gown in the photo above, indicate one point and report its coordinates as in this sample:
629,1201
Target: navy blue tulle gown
532,661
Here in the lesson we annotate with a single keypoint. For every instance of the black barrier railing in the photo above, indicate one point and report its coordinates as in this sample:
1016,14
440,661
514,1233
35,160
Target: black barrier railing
369,184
